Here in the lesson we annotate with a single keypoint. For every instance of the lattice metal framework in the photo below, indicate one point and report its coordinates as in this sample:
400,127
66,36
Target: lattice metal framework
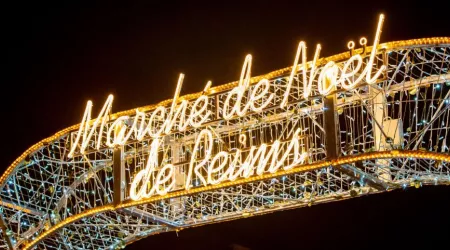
393,134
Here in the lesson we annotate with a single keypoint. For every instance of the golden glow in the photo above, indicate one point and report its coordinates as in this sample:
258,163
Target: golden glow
300,50
328,77
207,86
85,126
170,121
372,79
200,114
144,176
307,167
362,41
257,160
120,135
230,110
242,139
351,45
225,87
259,98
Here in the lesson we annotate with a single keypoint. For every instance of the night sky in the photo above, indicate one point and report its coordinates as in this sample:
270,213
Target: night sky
56,57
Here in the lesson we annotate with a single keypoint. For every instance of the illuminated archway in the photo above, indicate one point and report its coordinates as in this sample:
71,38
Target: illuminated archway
370,138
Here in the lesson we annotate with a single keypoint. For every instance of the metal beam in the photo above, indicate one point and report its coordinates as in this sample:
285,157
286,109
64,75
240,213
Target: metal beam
333,149
118,175
331,139
359,175
155,218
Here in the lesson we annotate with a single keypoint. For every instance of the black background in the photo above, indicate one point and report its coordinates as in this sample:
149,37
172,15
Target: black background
56,57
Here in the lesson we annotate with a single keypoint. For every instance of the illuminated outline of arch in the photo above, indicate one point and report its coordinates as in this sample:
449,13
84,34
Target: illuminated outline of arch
410,46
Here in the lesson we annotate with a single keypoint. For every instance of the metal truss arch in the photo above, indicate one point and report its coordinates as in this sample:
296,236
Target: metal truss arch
393,134
343,161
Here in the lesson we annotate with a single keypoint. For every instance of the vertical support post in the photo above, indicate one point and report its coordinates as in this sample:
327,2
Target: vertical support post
119,175
331,137
379,111
179,176
390,128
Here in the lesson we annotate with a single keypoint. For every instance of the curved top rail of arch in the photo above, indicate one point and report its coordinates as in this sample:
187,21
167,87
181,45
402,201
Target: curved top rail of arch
285,151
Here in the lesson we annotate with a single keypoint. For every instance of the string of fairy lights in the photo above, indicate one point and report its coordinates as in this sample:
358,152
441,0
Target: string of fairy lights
51,201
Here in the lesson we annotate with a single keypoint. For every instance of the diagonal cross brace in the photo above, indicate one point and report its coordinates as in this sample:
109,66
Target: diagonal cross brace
357,174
